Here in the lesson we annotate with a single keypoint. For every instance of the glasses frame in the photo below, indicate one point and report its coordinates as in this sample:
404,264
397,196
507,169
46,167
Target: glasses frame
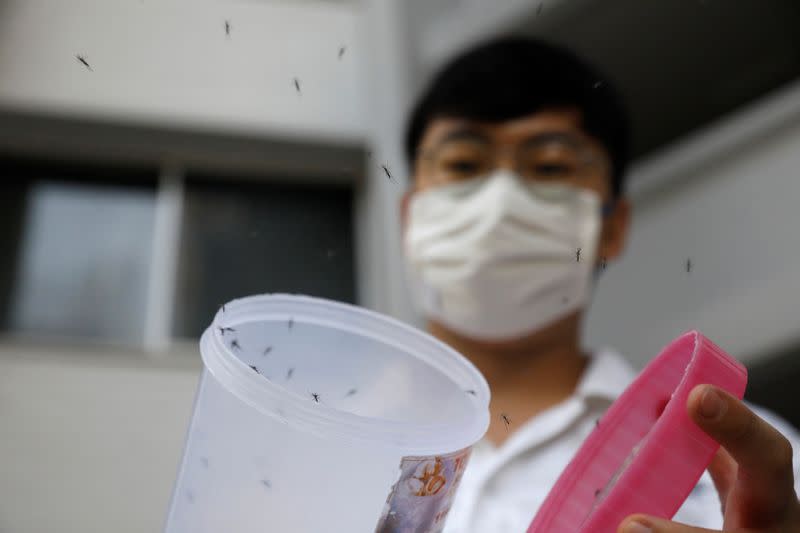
588,157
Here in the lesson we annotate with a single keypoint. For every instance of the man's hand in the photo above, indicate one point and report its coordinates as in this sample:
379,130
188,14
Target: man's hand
752,470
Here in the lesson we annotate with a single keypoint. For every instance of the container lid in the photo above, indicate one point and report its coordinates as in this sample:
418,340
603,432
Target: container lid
646,454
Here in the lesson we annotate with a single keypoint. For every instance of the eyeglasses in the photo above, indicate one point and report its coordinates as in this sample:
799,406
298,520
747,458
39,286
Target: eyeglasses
559,157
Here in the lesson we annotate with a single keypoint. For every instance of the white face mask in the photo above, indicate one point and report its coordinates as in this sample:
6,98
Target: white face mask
495,258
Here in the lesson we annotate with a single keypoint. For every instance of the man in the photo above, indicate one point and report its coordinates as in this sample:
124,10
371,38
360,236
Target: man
519,152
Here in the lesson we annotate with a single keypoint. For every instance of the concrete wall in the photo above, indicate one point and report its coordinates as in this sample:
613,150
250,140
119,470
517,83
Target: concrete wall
727,199
172,63
90,441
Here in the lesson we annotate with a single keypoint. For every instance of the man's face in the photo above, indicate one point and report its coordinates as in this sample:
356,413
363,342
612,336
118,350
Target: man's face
545,146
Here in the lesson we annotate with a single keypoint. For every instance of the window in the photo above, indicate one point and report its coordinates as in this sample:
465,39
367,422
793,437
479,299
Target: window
77,250
104,253
241,238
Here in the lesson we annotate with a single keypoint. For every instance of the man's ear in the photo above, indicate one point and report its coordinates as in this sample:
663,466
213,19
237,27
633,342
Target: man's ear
614,234
404,202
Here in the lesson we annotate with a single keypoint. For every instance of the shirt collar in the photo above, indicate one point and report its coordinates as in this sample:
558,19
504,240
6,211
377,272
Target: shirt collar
607,376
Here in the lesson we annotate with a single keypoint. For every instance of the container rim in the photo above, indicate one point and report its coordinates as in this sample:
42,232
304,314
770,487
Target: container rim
328,422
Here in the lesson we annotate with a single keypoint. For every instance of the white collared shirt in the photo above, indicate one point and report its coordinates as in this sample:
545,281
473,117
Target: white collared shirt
504,486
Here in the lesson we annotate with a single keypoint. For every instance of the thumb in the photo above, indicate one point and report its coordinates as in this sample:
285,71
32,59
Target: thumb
649,524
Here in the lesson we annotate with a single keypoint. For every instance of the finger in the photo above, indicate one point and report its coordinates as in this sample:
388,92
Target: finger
649,524
763,455
723,473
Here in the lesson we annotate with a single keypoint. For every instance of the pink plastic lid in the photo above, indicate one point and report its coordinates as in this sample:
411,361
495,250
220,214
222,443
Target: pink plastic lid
646,454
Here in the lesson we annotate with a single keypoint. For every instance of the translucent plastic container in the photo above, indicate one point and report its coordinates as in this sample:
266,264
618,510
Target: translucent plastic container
316,416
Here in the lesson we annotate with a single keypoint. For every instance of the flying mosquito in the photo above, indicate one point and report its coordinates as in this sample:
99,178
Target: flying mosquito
388,174
85,63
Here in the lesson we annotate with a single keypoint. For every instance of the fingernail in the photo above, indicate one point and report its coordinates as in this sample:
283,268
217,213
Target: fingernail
711,405
637,527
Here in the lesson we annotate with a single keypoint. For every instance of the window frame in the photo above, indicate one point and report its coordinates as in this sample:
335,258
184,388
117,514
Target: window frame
261,157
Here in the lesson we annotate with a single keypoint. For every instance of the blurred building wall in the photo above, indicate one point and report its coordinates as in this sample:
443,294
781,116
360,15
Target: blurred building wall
90,439
726,199
172,63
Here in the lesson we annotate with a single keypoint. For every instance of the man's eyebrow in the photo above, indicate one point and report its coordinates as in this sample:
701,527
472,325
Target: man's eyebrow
464,133
560,137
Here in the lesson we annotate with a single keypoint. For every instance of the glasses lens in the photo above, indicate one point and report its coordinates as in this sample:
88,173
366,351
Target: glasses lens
552,160
556,158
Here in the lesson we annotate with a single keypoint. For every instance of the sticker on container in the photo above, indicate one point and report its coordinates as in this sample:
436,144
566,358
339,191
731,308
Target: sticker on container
422,496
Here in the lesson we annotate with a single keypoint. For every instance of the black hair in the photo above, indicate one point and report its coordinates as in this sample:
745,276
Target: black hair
511,77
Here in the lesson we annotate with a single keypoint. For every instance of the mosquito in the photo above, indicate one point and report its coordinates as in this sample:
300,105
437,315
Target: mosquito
315,396
351,392
289,373
235,345
388,174
688,265
267,350
228,28
506,420
267,483
291,322
578,255
297,85
222,330
341,51
470,391
85,63
255,369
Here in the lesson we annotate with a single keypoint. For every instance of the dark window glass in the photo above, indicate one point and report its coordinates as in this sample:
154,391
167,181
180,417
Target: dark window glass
245,237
